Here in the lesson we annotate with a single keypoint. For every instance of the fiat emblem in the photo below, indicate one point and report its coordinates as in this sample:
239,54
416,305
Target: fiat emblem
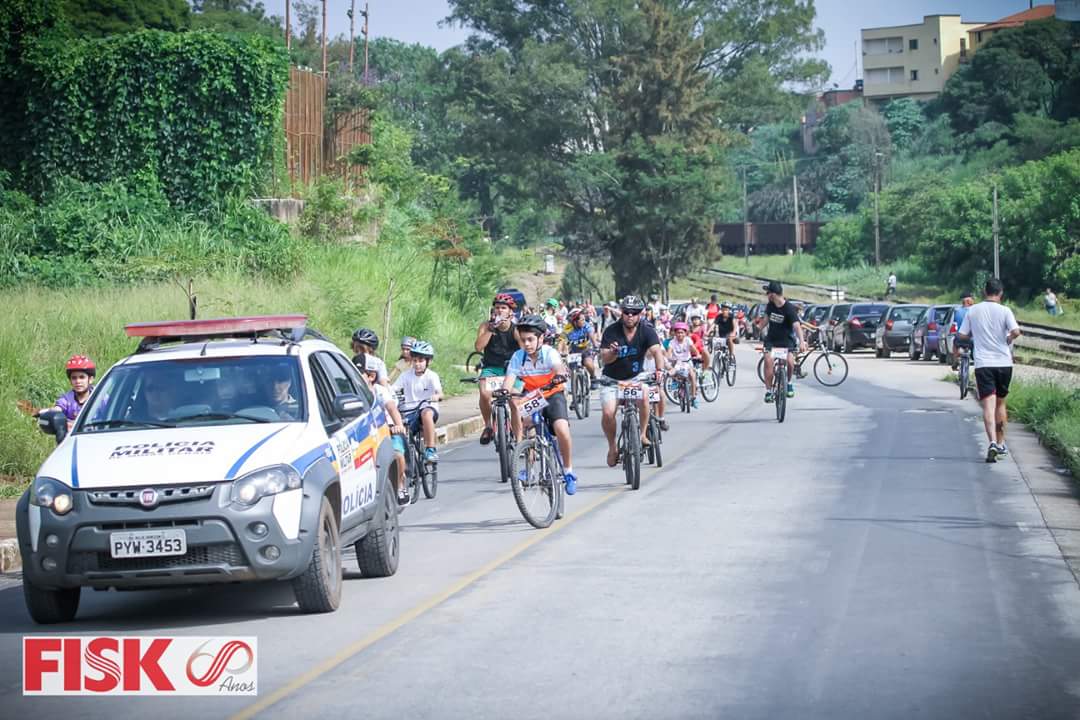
148,497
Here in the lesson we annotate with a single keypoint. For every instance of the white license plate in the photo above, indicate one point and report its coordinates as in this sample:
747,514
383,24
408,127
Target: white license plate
148,543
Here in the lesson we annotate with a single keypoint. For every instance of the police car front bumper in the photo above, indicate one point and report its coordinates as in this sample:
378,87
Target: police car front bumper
225,542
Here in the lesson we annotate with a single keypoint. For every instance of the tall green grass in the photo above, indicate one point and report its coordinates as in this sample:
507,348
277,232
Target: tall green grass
340,288
1053,412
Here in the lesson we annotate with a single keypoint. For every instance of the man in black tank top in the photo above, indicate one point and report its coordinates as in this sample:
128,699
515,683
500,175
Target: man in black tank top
496,338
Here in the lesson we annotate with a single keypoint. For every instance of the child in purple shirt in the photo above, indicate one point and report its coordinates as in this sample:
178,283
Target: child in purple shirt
80,372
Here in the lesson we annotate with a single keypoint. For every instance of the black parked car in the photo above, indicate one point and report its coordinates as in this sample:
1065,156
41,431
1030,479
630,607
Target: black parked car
855,328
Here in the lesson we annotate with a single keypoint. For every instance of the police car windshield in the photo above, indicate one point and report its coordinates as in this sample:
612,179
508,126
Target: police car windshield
198,391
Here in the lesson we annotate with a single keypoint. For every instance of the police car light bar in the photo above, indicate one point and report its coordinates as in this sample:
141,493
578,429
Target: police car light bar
222,327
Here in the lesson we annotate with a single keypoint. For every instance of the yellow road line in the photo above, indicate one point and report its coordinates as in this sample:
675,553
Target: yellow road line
359,646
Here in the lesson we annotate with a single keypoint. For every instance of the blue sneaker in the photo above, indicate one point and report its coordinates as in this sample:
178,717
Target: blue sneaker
791,390
571,483
523,476
431,456
693,403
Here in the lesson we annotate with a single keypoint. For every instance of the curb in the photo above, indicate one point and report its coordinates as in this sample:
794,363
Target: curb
10,561
458,430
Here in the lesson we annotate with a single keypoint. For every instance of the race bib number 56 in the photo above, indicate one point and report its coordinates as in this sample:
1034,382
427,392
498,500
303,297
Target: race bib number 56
631,391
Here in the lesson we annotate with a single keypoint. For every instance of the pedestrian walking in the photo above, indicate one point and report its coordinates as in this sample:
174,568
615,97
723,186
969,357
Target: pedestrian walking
890,284
1050,302
993,328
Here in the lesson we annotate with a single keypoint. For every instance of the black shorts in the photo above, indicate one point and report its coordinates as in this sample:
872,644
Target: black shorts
556,408
993,381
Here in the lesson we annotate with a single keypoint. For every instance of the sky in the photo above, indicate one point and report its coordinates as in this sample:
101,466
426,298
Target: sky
418,21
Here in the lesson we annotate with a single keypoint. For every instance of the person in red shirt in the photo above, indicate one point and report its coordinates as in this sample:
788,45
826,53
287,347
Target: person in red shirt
698,330
712,310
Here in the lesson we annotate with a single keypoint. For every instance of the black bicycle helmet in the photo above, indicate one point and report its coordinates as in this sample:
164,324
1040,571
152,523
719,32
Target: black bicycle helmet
632,303
533,322
366,337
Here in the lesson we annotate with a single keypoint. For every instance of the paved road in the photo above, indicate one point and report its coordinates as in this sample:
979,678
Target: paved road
858,561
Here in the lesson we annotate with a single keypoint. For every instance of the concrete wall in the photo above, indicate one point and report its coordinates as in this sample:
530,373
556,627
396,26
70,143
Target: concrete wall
287,210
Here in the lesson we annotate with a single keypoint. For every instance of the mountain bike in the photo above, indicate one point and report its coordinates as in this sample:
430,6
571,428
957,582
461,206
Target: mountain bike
419,473
677,389
964,370
538,476
708,382
500,423
779,387
655,433
830,368
629,394
724,362
580,382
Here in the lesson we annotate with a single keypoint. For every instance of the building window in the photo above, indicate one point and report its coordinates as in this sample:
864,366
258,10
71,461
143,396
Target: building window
885,76
883,46
913,44
978,37
914,75
963,47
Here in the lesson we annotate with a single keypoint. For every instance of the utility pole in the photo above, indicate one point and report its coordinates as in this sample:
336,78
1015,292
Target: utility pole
795,194
352,34
997,245
288,25
745,220
324,38
877,219
365,43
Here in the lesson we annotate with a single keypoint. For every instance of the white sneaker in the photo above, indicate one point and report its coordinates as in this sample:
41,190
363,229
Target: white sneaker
1002,450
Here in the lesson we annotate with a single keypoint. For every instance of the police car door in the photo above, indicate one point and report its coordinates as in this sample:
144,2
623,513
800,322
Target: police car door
351,441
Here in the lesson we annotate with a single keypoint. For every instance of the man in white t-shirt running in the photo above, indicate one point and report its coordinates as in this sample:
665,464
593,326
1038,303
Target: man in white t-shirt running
993,328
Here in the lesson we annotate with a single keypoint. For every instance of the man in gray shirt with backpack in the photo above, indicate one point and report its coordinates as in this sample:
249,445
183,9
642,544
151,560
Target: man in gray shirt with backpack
993,328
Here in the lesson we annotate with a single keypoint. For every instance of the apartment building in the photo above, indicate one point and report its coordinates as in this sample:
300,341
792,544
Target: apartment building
913,60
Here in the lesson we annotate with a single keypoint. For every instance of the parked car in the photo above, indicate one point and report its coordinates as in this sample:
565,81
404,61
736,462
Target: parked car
220,451
948,337
927,331
855,329
894,334
814,314
836,312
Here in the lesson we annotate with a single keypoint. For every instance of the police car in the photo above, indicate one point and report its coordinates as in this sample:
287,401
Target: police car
220,451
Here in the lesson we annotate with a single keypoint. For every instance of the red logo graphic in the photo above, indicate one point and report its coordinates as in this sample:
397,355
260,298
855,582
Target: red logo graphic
114,665
220,662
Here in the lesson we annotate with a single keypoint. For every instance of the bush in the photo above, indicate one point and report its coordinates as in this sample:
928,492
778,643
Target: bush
842,242
1054,414
200,110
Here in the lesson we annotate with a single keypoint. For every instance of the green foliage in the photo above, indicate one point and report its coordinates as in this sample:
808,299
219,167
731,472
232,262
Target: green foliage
905,120
98,18
239,16
843,242
90,233
1037,137
328,213
199,110
1053,412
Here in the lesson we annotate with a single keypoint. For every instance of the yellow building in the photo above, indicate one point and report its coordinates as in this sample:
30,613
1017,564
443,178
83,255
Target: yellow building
913,60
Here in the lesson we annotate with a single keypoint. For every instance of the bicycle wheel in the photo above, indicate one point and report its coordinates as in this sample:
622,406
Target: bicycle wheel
655,454
729,372
963,376
780,391
830,369
761,369
632,456
414,472
534,484
671,389
431,480
586,380
684,396
502,442
709,385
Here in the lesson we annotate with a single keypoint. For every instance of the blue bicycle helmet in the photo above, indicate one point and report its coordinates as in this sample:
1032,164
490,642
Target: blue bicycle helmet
423,349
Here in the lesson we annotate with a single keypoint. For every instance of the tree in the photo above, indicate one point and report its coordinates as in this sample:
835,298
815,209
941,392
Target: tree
905,120
98,18
585,104
242,16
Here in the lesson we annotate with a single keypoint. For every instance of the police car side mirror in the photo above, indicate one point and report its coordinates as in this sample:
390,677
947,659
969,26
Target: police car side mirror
349,405
53,422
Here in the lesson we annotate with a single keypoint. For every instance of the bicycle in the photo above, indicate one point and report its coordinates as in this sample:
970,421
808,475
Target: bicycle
830,368
655,432
708,382
677,389
629,444
580,382
538,474
964,371
500,422
779,387
419,473
723,362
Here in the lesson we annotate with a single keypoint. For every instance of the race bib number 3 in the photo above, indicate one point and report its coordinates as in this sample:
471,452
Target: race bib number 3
532,403
631,391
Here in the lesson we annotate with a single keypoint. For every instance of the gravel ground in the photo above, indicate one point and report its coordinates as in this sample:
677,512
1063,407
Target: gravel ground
1037,374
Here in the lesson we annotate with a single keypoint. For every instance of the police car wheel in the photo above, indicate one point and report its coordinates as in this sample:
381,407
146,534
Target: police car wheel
318,589
50,606
378,552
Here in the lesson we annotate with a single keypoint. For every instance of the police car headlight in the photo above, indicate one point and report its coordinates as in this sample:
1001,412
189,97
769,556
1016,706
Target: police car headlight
52,494
256,485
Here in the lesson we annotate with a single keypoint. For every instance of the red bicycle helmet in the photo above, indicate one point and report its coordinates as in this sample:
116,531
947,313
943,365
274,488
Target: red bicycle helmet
505,299
82,364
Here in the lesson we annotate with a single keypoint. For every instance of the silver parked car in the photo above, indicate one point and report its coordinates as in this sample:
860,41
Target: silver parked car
894,331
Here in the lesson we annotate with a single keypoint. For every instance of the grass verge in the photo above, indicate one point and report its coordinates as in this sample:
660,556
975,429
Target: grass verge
1054,414
340,288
